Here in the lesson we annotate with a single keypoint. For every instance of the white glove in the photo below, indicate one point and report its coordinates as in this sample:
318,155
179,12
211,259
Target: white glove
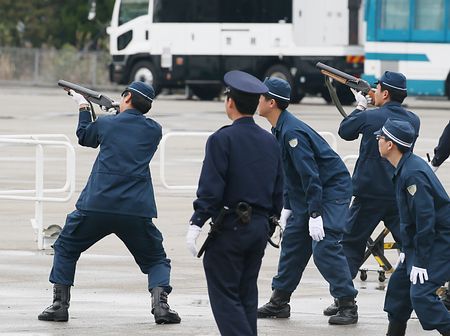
400,260
361,101
417,272
191,238
285,214
79,99
316,228
433,168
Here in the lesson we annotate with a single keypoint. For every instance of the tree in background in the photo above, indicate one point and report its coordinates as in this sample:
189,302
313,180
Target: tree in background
54,23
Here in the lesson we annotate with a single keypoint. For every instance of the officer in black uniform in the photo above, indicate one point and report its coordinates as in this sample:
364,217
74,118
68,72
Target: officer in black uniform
373,189
424,208
242,165
442,150
118,198
317,194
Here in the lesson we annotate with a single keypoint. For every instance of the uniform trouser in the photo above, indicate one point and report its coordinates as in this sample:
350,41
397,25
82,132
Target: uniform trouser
232,262
402,297
365,215
297,247
84,228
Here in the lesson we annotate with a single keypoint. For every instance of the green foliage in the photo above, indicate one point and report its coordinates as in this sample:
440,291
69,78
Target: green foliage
53,23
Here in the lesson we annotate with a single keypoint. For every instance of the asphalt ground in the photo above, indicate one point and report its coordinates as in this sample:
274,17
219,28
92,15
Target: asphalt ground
110,296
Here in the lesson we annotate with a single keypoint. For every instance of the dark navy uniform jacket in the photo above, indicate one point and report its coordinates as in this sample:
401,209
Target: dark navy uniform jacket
120,181
242,163
424,216
313,171
442,150
372,177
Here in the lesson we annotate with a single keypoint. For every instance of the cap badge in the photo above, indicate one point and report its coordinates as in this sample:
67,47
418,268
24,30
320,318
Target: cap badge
412,189
293,142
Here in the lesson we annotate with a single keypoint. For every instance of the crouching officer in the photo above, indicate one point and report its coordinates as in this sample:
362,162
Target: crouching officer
317,194
118,198
241,173
424,208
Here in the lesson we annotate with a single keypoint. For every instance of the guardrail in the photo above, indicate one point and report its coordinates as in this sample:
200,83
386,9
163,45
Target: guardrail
38,194
163,145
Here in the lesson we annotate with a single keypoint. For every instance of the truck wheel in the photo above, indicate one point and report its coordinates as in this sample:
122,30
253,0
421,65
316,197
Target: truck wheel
206,92
145,72
282,72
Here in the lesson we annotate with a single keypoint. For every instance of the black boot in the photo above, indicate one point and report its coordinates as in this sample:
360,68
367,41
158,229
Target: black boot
332,309
278,306
396,329
445,333
59,310
347,312
161,309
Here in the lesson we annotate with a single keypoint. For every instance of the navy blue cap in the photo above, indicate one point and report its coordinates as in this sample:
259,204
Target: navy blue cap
144,89
278,88
399,131
393,80
244,82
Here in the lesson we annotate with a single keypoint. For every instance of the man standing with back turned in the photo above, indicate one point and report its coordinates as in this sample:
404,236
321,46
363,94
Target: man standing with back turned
317,194
242,176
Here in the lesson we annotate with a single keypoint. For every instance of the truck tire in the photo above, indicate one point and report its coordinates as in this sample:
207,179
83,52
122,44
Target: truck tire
144,71
282,72
204,92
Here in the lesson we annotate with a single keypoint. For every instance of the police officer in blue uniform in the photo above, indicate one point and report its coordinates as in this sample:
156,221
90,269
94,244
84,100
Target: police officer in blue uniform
442,150
424,208
118,198
242,165
317,193
372,184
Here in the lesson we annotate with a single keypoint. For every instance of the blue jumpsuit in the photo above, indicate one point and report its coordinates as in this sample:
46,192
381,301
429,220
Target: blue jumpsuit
316,180
372,180
242,164
425,232
118,197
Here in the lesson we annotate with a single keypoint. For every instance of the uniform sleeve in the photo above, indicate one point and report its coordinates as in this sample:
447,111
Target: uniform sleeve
422,213
211,184
286,202
442,151
302,156
87,130
351,127
277,199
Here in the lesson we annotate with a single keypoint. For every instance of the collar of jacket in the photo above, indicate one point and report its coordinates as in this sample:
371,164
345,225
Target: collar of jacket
244,120
133,111
401,163
281,119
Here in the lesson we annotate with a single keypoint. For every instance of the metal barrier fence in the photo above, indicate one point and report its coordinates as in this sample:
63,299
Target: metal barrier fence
163,148
38,194
45,67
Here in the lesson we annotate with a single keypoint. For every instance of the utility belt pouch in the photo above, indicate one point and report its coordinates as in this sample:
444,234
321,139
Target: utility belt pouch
244,212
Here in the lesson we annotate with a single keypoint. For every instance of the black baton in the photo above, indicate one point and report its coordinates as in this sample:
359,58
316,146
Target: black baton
215,227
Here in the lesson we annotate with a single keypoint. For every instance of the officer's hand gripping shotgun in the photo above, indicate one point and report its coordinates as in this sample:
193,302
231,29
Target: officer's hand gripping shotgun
344,78
91,96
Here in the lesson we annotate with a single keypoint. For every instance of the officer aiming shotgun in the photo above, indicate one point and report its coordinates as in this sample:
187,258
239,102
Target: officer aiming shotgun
353,82
91,96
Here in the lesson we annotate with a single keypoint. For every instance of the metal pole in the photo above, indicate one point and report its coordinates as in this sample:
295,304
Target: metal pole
39,211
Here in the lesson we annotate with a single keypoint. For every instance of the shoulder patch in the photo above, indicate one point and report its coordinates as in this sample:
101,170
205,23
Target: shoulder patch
412,189
293,142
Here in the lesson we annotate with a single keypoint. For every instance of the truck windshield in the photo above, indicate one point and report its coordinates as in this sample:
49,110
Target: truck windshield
131,9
